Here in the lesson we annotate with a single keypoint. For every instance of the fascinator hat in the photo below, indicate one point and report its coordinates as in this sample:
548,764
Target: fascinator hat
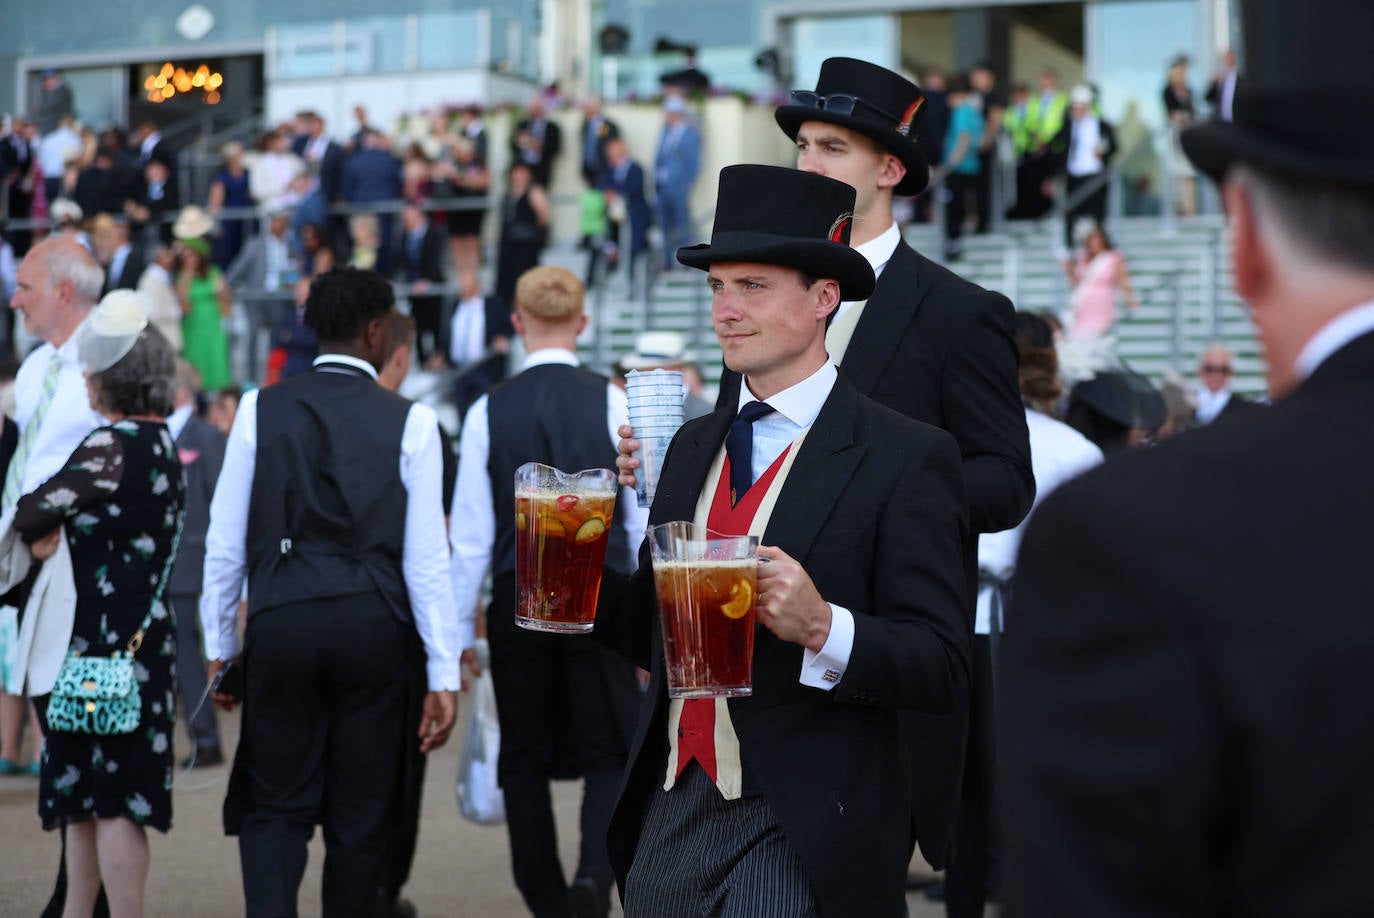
111,330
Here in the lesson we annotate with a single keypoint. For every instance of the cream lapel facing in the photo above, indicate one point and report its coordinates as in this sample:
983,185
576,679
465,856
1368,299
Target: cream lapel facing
838,335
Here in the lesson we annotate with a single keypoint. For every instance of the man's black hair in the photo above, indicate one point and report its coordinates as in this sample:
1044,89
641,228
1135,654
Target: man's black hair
343,301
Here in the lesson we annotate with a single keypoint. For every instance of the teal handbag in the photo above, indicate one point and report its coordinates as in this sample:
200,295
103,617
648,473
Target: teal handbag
100,695
97,695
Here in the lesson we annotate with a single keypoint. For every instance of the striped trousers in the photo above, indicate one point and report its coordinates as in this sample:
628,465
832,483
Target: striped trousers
700,854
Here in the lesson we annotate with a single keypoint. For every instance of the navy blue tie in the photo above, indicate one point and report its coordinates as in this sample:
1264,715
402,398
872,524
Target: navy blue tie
739,447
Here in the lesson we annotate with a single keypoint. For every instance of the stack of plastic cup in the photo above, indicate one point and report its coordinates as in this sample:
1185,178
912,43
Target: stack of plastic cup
655,400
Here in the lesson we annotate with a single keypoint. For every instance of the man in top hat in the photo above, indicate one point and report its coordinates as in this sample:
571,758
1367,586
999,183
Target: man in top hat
794,801
927,344
1187,709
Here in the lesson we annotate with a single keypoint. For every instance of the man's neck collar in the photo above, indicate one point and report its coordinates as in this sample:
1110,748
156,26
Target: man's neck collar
874,223
767,387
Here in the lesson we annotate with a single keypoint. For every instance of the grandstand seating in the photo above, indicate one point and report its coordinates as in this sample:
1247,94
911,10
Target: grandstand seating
1183,282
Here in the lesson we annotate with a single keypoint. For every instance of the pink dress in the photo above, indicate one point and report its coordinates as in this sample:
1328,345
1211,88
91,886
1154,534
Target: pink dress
1093,305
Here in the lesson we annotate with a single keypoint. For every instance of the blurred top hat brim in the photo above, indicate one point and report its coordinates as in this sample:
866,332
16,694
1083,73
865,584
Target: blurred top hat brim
1123,396
917,179
817,258
1274,133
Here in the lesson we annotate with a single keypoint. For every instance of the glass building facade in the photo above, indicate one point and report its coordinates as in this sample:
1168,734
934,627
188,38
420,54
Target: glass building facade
758,48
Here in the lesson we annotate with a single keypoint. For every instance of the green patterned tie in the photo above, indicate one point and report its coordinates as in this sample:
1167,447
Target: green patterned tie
14,478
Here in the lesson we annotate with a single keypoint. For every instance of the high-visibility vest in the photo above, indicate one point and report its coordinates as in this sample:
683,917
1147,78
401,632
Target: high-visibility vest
1044,121
1016,121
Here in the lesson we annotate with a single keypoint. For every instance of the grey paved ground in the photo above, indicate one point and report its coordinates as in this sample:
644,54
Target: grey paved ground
461,869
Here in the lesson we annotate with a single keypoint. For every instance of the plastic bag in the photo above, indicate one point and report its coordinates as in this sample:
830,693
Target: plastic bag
479,796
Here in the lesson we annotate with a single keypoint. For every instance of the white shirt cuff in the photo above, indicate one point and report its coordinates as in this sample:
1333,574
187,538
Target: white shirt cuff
443,675
467,634
228,644
824,670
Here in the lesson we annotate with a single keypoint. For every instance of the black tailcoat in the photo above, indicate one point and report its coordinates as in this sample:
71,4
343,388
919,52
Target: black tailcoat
873,510
1187,683
939,349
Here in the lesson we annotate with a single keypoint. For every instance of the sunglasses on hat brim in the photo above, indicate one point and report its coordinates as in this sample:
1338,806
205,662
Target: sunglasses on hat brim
836,103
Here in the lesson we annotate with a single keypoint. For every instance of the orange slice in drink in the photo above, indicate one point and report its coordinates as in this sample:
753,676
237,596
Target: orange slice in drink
552,527
741,598
591,530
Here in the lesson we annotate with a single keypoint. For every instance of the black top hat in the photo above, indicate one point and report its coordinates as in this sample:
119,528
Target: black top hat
884,106
1305,100
1125,397
775,216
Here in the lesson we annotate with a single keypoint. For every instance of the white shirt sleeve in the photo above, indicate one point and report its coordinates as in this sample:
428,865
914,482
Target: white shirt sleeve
472,521
635,519
424,554
226,540
824,670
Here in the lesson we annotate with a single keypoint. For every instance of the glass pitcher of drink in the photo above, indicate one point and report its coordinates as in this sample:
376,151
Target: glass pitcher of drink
706,584
562,525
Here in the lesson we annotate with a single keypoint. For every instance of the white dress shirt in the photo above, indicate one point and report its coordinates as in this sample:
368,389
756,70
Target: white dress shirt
879,251
468,331
316,148
176,421
1226,104
794,411
472,527
56,147
1058,453
1085,135
9,268
145,149
1211,404
69,417
1334,335
424,554
117,262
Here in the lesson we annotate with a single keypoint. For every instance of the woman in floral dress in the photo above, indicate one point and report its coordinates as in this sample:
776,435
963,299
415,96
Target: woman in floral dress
120,498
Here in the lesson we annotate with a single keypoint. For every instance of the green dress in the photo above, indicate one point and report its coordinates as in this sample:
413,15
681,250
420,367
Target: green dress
207,346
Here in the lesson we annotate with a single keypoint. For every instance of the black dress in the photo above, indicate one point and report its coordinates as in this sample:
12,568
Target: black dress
522,239
121,496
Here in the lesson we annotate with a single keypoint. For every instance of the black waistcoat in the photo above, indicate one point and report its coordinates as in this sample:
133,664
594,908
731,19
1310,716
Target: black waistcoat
327,514
554,414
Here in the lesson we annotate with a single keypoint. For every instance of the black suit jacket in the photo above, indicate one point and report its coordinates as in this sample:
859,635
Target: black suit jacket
331,166
1188,710
129,276
553,144
939,349
430,264
1238,404
1061,143
606,131
201,447
873,510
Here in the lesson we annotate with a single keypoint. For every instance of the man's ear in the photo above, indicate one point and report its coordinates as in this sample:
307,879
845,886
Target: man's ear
827,297
892,172
1251,261
517,322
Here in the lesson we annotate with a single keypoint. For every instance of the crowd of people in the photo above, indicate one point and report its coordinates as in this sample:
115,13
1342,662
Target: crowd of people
416,199
982,630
